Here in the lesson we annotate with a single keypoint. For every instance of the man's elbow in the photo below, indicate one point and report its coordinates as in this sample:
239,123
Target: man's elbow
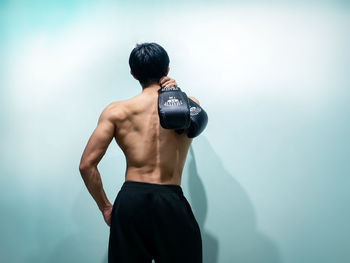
85,166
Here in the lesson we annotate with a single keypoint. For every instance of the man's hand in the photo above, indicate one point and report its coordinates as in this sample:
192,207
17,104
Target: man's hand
167,82
107,214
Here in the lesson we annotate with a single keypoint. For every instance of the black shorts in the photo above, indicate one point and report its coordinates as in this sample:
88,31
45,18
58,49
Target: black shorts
153,221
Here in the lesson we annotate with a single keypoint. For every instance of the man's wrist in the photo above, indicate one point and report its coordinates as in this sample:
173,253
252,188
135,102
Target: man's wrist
105,207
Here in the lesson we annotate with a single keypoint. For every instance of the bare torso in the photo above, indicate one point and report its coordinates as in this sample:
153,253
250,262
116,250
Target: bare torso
153,154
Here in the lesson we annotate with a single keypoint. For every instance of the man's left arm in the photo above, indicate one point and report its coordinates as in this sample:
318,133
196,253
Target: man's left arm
93,153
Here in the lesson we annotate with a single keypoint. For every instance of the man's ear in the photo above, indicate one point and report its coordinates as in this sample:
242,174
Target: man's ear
167,71
133,75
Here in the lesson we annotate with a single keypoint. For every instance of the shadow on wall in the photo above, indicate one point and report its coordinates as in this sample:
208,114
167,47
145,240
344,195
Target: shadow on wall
229,231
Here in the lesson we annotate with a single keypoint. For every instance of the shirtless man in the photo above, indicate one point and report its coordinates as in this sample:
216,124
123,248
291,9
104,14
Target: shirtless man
150,217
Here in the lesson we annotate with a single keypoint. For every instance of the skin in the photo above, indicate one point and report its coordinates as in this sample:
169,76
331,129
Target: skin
153,154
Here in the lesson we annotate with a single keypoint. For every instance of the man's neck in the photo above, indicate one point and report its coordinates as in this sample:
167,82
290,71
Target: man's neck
152,87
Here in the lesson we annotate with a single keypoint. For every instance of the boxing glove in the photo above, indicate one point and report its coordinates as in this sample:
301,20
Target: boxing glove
173,108
199,120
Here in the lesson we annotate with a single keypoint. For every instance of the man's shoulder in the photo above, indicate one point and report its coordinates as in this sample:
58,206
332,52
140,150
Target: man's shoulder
194,99
114,110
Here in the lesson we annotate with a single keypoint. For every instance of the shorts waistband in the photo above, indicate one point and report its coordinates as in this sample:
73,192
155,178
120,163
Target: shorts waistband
151,186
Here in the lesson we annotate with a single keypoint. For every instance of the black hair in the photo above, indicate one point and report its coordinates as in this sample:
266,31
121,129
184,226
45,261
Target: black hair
148,62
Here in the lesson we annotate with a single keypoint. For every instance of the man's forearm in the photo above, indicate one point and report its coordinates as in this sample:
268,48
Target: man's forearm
93,182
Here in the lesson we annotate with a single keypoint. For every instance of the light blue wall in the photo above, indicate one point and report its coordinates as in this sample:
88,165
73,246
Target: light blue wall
268,180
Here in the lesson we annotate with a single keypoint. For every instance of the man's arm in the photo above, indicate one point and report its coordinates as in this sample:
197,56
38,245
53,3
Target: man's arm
93,153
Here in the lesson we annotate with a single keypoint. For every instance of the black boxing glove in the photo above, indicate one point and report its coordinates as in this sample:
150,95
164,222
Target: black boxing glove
199,120
173,108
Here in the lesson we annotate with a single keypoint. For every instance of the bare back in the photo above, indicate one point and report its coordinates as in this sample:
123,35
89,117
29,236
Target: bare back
153,154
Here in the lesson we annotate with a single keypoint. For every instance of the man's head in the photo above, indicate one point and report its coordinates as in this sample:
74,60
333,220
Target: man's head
148,63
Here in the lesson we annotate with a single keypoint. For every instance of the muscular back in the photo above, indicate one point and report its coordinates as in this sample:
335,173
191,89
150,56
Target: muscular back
153,154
